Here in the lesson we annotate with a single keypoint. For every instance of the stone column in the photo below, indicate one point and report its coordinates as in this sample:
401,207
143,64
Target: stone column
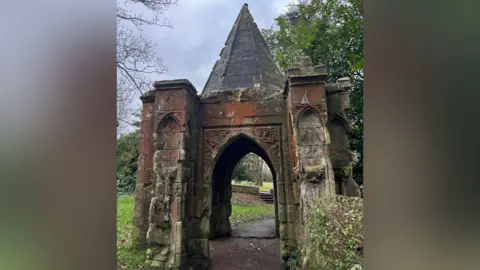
307,98
144,187
338,105
173,165
313,174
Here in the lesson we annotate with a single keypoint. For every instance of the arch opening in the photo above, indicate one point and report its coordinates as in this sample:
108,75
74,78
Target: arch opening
222,174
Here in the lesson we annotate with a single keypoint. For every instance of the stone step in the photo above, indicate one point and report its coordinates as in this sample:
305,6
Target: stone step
266,197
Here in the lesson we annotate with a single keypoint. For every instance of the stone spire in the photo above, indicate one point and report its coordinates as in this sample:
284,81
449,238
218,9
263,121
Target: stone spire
245,63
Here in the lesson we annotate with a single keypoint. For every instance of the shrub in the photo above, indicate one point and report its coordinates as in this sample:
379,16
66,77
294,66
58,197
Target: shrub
293,260
127,156
336,233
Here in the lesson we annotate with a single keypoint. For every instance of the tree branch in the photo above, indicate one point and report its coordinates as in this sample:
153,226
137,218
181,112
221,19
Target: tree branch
125,121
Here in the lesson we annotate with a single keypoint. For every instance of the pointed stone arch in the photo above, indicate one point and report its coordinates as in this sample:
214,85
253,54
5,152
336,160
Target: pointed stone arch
168,120
168,133
230,153
340,118
308,109
310,128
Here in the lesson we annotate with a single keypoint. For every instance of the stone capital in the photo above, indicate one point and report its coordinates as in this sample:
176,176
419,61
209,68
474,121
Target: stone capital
147,98
166,85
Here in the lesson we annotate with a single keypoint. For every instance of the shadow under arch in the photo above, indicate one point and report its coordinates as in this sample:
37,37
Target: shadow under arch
231,152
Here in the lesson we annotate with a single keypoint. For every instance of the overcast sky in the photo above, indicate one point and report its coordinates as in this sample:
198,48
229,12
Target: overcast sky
201,27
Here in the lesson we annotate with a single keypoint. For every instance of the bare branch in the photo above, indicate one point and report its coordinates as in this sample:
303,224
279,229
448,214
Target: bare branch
155,7
137,59
125,121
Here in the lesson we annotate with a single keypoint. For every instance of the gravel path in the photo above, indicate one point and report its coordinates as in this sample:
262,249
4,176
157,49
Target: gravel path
248,248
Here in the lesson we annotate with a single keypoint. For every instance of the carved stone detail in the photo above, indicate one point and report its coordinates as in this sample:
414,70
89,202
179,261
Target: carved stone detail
213,139
268,136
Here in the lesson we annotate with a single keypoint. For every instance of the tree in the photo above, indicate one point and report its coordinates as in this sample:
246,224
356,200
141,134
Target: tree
136,57
330,32
247,168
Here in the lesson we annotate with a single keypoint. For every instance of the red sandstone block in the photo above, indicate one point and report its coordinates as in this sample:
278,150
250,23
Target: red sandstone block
171,100
239,109
212,110
269,107
315,94
240,121
270,119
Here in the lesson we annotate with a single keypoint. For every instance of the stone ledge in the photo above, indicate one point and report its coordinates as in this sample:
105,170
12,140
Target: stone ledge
175,84
246,189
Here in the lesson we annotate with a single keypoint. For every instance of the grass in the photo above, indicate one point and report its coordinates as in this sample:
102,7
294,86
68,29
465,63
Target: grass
266,186
130,258
127,256
245,213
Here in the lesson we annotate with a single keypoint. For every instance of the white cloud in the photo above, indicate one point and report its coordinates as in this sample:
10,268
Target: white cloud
281,6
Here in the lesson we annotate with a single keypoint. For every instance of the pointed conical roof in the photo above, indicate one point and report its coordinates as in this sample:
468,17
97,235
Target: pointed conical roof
245,62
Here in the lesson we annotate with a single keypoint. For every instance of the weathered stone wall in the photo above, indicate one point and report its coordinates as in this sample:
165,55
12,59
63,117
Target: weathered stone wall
245,189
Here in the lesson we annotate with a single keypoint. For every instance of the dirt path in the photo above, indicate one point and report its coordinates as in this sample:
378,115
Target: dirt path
256,229
250,247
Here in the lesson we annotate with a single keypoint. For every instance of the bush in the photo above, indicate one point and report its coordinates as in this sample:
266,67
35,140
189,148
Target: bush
293,260
336,233
127,156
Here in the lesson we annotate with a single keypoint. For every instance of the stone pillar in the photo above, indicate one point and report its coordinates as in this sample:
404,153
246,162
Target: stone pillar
144,187
173,165
307,98
312,173
338,103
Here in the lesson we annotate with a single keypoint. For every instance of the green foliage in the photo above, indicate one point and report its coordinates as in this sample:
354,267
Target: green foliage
293,260
127,156
330,32
335,229
245,168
